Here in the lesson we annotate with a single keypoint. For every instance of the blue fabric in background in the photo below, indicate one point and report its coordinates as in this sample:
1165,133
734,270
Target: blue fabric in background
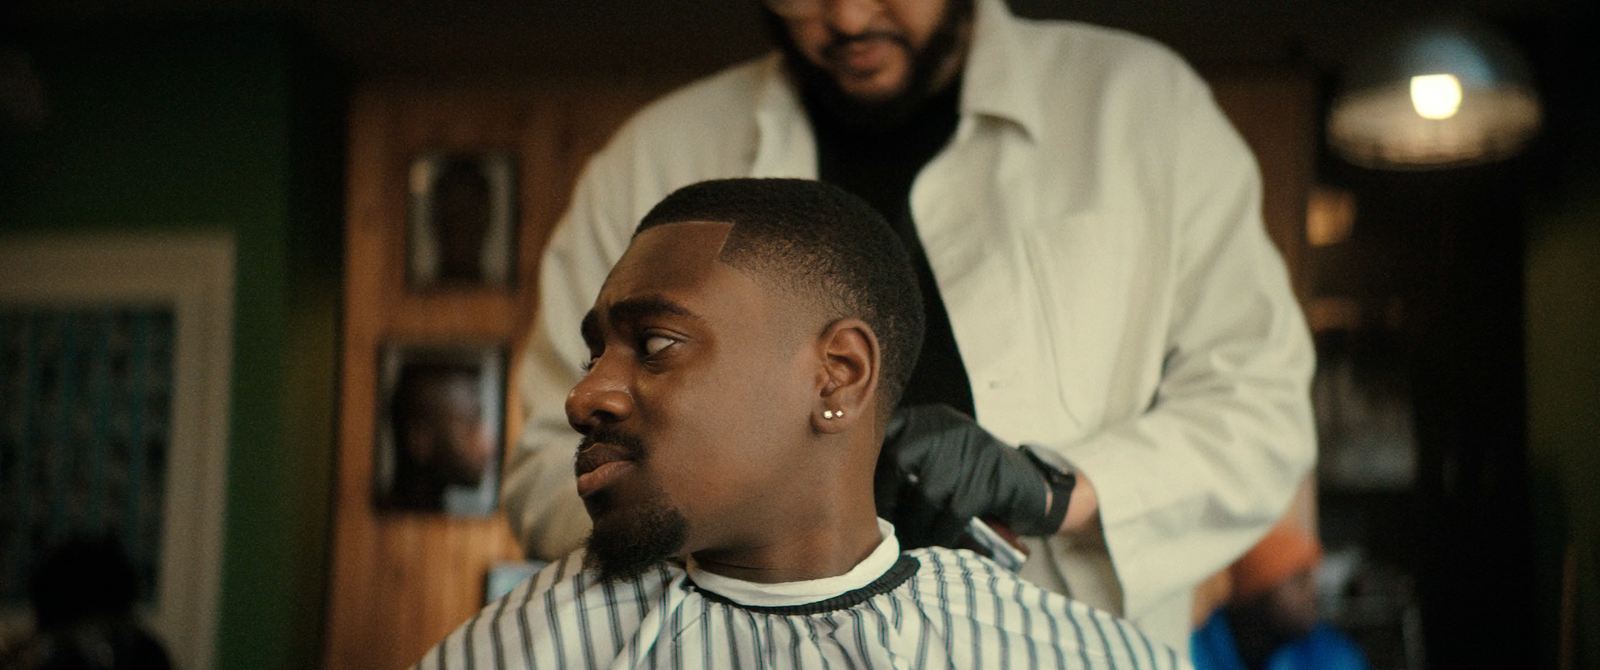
1324,648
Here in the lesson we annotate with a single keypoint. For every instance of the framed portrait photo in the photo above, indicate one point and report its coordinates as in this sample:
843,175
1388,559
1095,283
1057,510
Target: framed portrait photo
462,220
438,446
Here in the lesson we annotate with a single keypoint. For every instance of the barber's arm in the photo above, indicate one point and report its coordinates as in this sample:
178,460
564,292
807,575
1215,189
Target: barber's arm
1228,433
948,470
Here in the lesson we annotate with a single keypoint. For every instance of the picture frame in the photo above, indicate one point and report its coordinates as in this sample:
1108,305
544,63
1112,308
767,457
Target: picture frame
439,437
462,220
166,300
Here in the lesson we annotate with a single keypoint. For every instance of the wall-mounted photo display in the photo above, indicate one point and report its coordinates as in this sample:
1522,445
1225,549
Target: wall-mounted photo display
463,215
440,410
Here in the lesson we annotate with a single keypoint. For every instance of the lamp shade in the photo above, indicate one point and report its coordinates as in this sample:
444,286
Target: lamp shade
1440,94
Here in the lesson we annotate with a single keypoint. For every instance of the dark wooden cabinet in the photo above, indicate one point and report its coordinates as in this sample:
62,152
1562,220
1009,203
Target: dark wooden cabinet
1423,308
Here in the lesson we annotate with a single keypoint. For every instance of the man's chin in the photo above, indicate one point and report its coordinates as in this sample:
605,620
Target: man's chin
616,567
876,100
870,93
626,543
871,84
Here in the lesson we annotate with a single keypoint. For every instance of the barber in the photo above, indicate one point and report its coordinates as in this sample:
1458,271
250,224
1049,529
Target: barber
1099,286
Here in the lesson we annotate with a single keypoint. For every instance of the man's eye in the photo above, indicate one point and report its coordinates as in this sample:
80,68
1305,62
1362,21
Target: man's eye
655,343
589,364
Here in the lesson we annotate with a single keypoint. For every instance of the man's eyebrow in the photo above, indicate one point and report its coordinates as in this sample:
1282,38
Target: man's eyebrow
632,309
645,306
590,328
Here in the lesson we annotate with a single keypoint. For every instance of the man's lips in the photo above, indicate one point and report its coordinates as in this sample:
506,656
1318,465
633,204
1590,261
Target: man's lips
598,465
601,477
863,55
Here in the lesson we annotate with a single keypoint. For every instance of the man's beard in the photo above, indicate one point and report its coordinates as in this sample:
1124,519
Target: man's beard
819,87
638,536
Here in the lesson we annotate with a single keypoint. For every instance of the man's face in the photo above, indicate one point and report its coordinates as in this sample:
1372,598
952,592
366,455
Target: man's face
448,436
466,444
869,47
697,400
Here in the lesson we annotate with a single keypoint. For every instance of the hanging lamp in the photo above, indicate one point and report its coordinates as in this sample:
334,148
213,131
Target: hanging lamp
1441,94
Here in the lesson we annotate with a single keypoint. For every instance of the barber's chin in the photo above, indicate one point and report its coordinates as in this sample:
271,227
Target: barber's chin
871,90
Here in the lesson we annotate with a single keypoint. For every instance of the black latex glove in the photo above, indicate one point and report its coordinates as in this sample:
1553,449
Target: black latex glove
939,470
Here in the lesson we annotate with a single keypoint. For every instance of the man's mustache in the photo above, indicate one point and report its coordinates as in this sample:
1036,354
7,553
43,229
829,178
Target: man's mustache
840,41
632,445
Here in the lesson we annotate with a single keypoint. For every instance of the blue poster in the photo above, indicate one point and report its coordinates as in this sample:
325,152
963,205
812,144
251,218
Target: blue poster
85,430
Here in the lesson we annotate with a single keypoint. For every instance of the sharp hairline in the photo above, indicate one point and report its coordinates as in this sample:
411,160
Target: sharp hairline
649,304
721,246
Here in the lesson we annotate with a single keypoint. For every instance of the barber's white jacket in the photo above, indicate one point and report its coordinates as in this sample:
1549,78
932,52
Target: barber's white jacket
1095,230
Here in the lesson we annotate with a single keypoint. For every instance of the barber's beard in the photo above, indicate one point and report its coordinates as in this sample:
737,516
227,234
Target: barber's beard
821,89
636,539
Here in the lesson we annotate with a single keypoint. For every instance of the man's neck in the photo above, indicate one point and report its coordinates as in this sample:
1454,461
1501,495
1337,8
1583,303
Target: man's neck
828,541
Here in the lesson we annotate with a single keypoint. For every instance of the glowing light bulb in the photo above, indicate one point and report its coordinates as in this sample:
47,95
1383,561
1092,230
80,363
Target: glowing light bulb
1436,96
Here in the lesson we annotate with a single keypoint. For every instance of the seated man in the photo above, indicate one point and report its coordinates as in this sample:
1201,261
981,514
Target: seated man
1271,622
746,352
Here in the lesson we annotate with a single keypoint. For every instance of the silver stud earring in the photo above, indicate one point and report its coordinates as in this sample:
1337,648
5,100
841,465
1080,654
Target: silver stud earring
832,414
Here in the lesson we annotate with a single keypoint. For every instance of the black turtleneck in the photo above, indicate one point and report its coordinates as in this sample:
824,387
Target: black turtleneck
879,165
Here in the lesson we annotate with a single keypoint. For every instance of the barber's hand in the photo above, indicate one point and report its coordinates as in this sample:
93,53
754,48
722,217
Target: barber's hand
948,470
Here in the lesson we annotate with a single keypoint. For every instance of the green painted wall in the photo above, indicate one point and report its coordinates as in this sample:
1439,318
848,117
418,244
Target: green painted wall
1564,413
1563,359
1562,254
188,125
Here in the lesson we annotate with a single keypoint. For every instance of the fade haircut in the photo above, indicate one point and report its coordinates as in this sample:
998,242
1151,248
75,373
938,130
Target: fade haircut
815,242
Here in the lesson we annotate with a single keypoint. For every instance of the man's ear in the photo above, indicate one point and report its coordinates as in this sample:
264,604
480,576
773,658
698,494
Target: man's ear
847,381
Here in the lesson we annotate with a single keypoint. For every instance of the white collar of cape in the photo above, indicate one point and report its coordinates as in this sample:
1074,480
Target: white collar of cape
789,594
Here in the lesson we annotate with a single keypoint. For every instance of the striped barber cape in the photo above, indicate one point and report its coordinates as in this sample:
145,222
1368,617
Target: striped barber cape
931,608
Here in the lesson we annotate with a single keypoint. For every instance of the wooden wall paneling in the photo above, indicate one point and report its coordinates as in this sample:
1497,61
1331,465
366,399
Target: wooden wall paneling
366,241
400,582
1276,113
